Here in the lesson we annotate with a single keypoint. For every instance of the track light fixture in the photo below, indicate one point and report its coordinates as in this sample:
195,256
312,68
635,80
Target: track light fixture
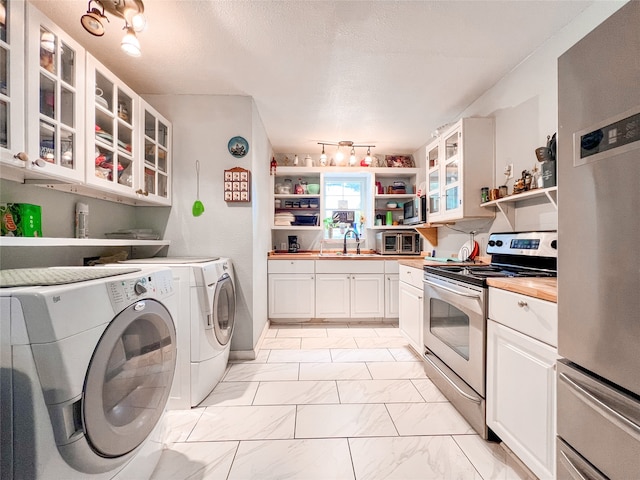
340,155
131,11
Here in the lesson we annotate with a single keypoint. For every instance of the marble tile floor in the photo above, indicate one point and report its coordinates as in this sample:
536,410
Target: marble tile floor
329,402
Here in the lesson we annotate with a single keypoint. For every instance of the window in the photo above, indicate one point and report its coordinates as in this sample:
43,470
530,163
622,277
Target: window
346,203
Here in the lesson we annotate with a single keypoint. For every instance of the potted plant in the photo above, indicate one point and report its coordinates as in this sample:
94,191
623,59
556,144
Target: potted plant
329,225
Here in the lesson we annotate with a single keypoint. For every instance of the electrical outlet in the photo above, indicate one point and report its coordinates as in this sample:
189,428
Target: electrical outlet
508,171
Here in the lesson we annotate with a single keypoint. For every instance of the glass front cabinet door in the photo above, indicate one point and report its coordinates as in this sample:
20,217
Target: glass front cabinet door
433,180
155,171
12,133
459,163
55,100
112,123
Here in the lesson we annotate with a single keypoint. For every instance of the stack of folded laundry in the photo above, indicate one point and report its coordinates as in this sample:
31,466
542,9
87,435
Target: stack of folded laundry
284,219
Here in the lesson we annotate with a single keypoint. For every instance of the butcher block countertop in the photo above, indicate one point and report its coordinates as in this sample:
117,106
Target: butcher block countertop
315,255
543,288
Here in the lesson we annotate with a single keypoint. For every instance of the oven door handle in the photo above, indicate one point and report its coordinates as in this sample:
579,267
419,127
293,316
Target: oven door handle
451,382
451,290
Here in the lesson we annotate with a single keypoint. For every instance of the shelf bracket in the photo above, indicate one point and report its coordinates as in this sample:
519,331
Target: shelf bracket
551,198
509,213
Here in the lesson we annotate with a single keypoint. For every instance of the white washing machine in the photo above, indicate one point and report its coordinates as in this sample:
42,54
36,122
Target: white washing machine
205,319
87,361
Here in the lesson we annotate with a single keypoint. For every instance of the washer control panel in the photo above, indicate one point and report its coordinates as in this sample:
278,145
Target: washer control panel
124,291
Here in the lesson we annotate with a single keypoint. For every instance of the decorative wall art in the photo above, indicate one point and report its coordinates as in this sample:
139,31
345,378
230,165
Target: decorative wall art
400,161
237,185
238,147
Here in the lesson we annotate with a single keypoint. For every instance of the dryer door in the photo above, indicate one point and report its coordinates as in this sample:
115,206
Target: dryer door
129,378
224,309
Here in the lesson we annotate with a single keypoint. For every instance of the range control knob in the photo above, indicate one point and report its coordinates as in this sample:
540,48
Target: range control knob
554,244
492,243
139,288
499,243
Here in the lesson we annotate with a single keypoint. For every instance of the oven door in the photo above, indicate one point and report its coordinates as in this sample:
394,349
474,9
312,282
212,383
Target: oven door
455,327
409,243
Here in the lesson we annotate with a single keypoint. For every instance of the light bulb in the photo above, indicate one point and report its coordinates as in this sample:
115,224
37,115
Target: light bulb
339,156
352,157
130,44
323,157
138,22
367,159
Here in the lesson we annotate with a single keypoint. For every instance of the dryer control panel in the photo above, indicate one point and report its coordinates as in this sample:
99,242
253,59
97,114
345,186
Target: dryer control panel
124,291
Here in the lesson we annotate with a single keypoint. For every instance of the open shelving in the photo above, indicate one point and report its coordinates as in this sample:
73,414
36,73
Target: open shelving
507,205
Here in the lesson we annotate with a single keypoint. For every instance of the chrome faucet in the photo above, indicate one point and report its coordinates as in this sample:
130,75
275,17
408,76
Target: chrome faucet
357,237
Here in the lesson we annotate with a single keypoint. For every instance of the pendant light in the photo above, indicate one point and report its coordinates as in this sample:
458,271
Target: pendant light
130,44
131,11
340,156
352,157
367,159
92,20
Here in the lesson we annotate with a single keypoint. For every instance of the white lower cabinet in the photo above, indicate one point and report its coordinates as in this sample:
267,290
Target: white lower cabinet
411,306
357,295
332,289
521,387
391,295
291,288
333,295
367,295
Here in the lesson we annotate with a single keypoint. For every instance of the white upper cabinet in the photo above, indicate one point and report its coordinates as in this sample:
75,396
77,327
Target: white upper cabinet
12,133
155,169
459,163
112,122
128,141
55,100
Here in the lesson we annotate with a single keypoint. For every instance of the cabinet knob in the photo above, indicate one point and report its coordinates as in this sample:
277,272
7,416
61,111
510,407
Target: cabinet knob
22,156
522,304
142,192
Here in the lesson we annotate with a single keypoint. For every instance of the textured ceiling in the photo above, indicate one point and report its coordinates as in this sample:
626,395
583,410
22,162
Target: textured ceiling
385,72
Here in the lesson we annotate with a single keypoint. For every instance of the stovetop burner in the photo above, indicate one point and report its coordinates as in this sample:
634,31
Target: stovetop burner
520,254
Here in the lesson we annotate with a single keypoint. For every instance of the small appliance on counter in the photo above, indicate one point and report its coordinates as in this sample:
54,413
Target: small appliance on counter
293,244
398,243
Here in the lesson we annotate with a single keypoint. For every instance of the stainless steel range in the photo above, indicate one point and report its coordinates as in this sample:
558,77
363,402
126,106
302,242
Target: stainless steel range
455,315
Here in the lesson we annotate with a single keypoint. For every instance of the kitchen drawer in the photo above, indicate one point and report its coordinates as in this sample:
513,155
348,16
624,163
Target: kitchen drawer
350,266
531,316
412,276
391,266
291,266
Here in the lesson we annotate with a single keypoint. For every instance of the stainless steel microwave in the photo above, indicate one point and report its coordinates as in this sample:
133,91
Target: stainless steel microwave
415,211
398,243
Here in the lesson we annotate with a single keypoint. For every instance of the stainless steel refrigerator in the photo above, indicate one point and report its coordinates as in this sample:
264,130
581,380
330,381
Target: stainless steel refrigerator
599,252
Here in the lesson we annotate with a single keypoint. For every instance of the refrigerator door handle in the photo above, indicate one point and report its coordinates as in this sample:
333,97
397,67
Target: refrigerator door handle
605,410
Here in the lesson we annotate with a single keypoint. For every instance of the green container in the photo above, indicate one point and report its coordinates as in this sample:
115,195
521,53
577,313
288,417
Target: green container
21,220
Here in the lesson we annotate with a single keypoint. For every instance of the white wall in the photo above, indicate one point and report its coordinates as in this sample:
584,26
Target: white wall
202,127
525,107
58,214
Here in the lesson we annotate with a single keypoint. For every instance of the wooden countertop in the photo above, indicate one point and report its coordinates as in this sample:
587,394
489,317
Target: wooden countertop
415,261
315,255
543,288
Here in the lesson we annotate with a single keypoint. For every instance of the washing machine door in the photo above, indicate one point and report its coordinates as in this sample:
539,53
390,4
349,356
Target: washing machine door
129,378
224,309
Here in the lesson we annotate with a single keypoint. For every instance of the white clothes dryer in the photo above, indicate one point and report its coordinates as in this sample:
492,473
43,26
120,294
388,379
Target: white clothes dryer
205,319
87,361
